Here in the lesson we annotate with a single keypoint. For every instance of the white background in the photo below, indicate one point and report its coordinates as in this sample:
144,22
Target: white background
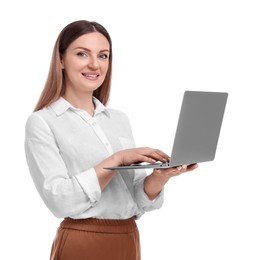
161,48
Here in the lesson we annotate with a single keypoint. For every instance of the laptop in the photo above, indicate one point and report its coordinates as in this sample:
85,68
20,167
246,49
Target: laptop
197,132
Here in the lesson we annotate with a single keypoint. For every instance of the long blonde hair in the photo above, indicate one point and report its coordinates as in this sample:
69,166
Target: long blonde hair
55,84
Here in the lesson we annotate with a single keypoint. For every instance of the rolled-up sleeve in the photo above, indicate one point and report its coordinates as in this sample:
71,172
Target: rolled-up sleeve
143,201
63,194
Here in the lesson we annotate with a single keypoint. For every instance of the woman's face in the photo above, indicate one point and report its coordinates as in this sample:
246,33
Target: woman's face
86,62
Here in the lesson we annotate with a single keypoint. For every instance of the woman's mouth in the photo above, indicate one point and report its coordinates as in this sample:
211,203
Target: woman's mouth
90,75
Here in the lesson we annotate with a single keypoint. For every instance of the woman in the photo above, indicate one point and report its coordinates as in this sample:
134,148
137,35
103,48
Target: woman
72,136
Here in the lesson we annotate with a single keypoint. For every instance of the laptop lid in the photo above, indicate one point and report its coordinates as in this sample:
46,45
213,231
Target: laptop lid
198,127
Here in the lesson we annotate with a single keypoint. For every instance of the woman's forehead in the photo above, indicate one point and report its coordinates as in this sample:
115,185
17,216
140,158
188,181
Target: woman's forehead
91,41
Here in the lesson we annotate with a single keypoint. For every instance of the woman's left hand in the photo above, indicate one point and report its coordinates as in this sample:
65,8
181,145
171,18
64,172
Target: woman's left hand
167,173
155,182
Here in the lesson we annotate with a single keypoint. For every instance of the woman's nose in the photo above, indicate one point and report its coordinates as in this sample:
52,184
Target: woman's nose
93,64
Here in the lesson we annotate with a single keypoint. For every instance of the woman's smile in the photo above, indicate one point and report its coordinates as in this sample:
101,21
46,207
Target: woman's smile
91,75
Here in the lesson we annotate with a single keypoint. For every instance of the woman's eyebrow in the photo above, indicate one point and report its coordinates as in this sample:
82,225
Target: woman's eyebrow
88,50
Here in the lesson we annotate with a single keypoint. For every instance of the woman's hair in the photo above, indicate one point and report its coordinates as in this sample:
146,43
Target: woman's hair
55,84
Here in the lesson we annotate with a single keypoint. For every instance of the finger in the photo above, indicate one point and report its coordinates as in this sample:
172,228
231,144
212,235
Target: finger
143,158
159,157
184,168
170,171
192,167
156,154
162,154
179,168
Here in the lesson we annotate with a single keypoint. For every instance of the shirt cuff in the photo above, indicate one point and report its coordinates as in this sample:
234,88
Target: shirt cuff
143,200
89,182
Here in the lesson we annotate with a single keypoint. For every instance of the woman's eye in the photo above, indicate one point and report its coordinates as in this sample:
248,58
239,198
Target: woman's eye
82,54
103,56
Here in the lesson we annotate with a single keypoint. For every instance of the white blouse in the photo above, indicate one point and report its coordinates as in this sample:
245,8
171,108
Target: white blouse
63,144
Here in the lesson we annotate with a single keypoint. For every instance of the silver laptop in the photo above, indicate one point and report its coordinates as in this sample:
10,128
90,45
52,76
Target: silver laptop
197,131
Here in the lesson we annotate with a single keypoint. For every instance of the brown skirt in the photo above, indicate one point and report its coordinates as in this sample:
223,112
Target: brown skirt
96,239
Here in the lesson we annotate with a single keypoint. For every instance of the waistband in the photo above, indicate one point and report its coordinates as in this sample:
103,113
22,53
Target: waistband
119,226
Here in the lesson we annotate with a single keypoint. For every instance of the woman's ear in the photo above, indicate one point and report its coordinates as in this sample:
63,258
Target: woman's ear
62,63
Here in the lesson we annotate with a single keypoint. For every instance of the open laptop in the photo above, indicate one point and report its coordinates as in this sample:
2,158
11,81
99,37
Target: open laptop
197,131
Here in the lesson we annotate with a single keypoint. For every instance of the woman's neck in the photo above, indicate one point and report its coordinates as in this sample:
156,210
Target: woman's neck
81,101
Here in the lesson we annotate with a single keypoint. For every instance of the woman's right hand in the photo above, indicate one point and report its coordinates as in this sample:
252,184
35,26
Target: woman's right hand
142,154
127,157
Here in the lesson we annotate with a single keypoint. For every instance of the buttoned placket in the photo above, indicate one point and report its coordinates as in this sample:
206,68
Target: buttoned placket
100,133
96,128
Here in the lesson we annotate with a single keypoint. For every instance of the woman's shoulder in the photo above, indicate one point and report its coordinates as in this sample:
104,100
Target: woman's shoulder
38,115
34,121
38,120
44,114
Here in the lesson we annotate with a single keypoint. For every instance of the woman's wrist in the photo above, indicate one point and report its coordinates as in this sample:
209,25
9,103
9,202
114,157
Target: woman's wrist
159,177
115,159
105,175
154,184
